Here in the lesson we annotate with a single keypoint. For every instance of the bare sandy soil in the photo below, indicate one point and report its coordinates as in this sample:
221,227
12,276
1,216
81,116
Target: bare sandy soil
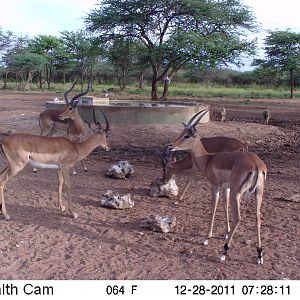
41,242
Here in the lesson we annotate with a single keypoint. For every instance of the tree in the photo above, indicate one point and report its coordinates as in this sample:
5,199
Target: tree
54,51
83,49
25,64
16,46
176,33
282,50
120,55
7,40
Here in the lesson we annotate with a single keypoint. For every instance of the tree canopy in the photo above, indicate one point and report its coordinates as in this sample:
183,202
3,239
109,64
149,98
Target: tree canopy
282,49
175,33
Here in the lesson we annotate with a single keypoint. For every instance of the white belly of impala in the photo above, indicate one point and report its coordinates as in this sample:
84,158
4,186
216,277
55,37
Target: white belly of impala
39,165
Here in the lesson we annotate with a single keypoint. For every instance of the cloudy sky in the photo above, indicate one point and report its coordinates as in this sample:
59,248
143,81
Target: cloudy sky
33,17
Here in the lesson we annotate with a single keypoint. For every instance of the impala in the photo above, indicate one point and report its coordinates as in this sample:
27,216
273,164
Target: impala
238,172
44,152
67,121
173,163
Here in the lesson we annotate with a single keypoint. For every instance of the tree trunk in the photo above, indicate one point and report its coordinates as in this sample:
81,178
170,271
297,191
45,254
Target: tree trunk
166,89
5,80
40,80
154,86
292,82
141,79
48,76
154,96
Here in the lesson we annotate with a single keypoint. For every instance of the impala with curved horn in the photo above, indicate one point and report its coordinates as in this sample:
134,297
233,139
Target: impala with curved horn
67,121
174,162
238,173
45,152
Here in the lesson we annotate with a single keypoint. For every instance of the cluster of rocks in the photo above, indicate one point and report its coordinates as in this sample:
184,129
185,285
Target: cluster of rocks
158,188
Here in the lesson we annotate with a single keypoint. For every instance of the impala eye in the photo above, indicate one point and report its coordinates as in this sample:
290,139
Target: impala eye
186,136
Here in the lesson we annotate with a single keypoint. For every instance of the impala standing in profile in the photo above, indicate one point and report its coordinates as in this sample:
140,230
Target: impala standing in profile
45,152
67,121
238,172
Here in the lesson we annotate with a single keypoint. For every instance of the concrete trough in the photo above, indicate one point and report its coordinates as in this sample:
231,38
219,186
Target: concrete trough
138,112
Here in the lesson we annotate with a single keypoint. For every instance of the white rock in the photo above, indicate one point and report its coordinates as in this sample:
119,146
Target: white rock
112,200
157,223
160,189
121,170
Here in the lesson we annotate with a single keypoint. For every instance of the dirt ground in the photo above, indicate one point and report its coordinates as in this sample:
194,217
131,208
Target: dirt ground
42,242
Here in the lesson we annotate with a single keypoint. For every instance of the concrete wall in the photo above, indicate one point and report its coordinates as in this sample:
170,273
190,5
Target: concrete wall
138,114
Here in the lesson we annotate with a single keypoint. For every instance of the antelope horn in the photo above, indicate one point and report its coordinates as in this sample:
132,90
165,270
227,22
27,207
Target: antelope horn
107,123
193,118
68,91
89,124
94,117
81,94
201,116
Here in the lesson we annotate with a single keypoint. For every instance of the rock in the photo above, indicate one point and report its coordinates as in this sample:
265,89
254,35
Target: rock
157,223
160,189
121,170
111,200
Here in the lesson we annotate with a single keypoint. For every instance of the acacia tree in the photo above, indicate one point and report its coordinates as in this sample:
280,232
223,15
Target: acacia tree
7,40
282,54
83,49
25,64
175,33
54,51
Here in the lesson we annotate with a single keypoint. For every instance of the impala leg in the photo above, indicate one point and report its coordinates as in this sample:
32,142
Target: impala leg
215,192
226,207
184,191
3,180
5,175
60,187
258,196
67,181
236,218
84,165
74,171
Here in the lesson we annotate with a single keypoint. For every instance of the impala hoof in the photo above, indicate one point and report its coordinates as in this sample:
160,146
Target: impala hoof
260,261
75,216
63,208
223,257
7,217
34,170
205,243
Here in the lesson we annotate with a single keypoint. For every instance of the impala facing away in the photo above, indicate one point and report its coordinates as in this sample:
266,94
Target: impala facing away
67,121
49,153
173,165
238,172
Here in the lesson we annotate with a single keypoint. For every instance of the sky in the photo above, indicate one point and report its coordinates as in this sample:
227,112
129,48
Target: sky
34,17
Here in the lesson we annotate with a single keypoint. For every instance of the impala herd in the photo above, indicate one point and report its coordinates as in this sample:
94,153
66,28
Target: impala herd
224,161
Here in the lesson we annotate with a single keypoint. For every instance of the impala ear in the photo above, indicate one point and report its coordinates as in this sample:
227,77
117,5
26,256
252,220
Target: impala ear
75,103
183,124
